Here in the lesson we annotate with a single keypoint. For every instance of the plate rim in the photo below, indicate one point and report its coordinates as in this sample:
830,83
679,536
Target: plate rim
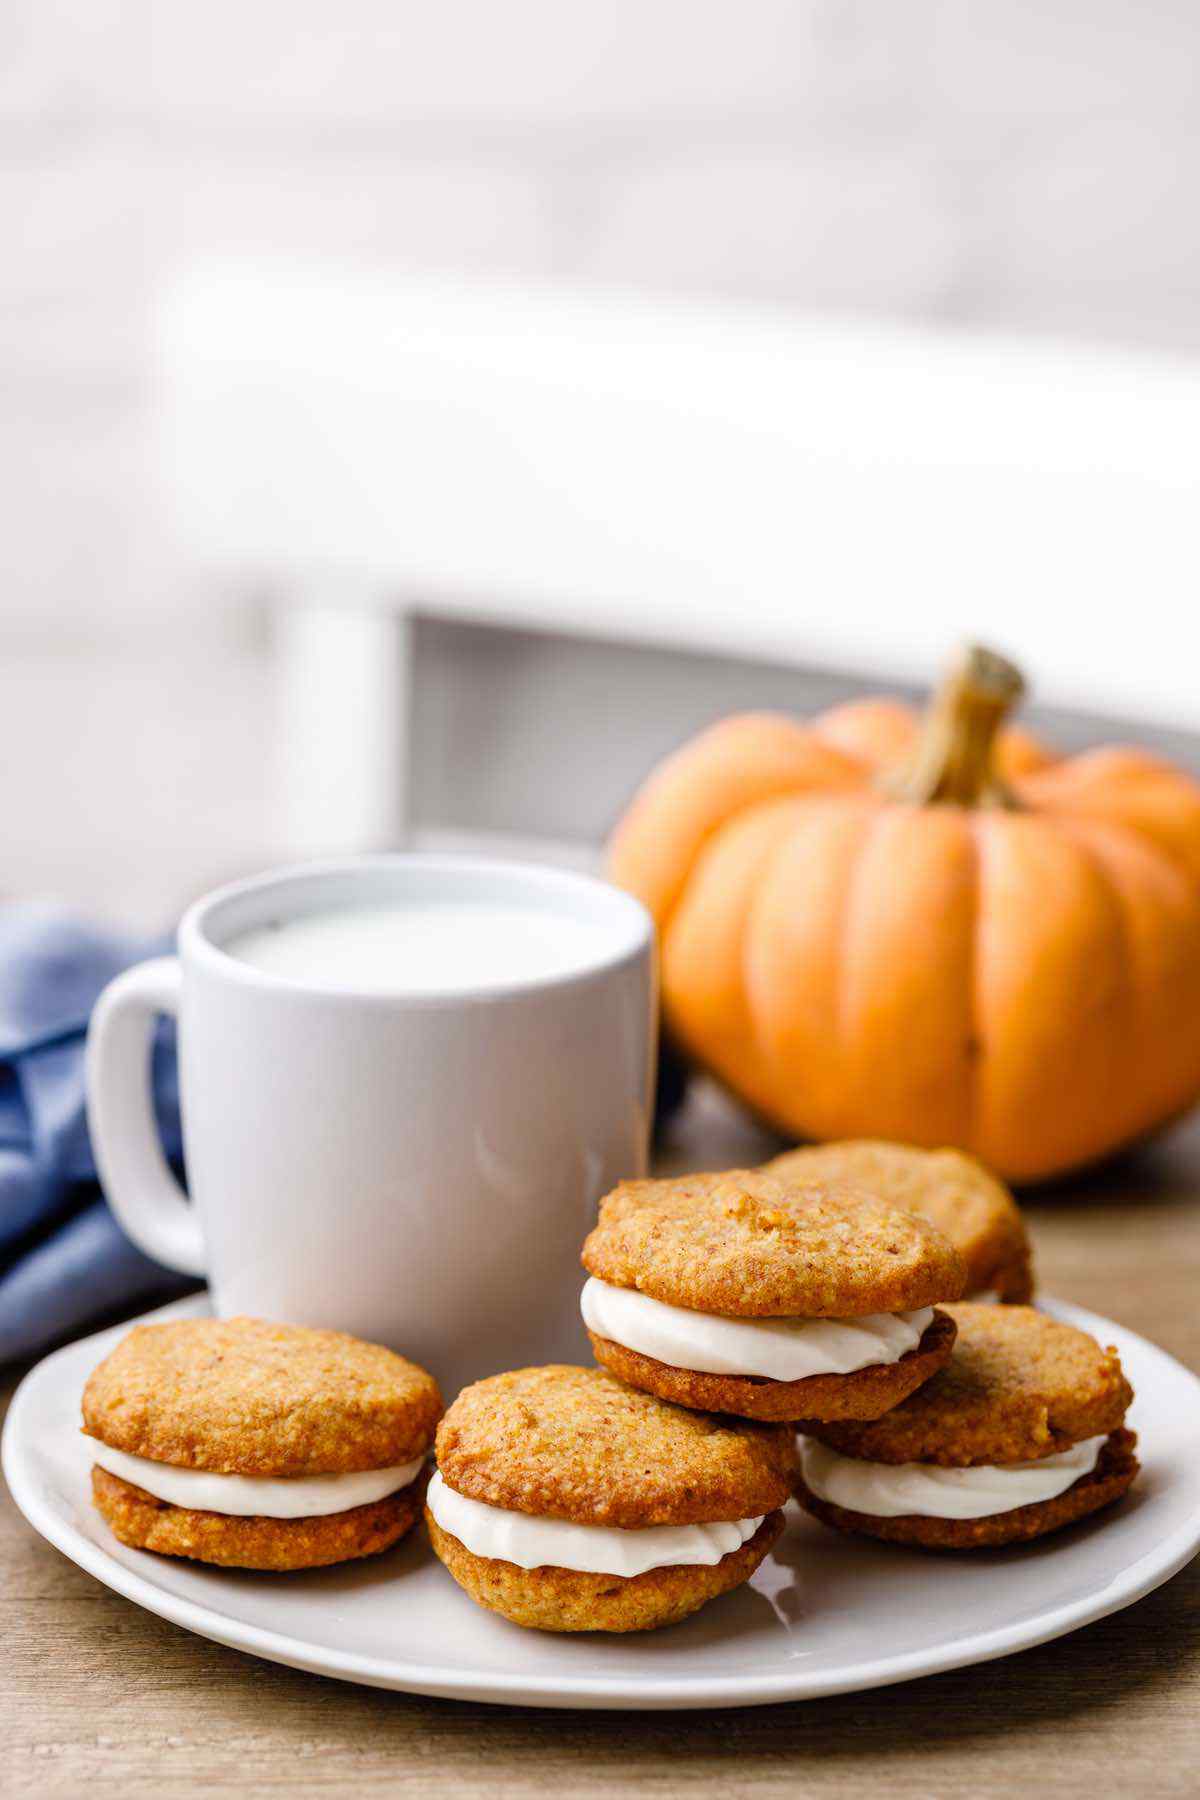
1141,1577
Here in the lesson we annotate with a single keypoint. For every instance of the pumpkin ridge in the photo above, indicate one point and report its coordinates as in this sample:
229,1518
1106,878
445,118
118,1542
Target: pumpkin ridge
848,813
1094,1012
767,869
977,825
845,962
737,824
1088,834
1108,878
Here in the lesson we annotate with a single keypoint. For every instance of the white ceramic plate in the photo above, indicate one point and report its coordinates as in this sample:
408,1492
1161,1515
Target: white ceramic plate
824,1615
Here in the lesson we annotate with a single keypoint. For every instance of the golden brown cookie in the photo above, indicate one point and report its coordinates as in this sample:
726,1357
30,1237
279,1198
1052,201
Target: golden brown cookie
567,1443
551,1599
1112,1476
749,1244
863,1394
954,1191
543,1458
1027,1410
1019,1385
247,1397
140,1520
257,1445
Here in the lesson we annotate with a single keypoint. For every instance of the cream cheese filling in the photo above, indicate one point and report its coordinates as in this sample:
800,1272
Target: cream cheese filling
255,1496
773,1349
902,1490
538,1543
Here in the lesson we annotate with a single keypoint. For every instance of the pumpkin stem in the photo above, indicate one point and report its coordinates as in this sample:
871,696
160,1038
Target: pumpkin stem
952,760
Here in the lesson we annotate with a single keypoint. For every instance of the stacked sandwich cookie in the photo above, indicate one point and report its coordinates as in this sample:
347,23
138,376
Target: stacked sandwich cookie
258,1446
953,1191
567,1501
1021,1433
746,1292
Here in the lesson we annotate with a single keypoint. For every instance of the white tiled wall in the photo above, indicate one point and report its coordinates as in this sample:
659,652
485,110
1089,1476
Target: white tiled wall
1004,162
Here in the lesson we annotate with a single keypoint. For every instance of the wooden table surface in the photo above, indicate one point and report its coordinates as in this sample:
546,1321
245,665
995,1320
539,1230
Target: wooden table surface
97,1696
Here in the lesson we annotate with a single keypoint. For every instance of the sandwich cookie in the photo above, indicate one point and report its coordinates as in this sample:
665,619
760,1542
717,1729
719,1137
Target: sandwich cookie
569,1502
745,1292
1022,1432
258,1446
962,1198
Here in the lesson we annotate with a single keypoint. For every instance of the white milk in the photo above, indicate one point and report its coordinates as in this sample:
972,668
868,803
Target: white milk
426,948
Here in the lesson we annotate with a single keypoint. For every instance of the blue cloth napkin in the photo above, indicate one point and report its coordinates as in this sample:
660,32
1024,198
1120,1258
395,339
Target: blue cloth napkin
64,1260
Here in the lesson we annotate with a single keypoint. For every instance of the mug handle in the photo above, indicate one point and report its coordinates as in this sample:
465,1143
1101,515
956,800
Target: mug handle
148,1202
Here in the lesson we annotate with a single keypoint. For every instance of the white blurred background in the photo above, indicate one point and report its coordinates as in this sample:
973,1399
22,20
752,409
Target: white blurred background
966,166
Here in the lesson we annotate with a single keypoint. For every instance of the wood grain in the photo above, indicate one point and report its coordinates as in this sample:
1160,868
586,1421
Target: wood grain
97,1696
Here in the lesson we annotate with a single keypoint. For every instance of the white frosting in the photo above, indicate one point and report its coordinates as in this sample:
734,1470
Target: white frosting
777,1349
256,1496
899,1490
535,1543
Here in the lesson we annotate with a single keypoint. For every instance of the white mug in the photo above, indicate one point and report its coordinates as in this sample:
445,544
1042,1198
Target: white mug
418,1169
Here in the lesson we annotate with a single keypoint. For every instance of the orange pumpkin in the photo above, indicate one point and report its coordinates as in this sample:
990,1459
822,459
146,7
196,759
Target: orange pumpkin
934,932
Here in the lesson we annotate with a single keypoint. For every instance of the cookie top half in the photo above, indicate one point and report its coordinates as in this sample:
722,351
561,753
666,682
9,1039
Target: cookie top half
568,1443
1019,1386
751,1244
246,1397
954,1191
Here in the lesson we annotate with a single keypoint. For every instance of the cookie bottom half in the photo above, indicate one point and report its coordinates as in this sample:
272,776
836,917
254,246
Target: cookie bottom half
143,1522
1114,1472
550,1599
864,1394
